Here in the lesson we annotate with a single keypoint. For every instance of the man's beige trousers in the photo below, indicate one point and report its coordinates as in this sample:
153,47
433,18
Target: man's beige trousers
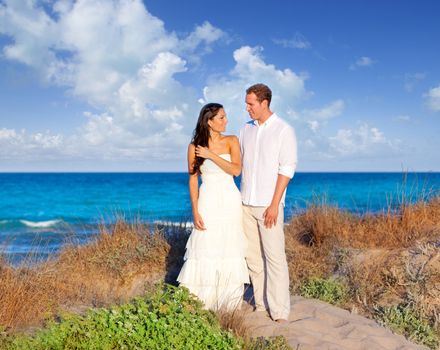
267,263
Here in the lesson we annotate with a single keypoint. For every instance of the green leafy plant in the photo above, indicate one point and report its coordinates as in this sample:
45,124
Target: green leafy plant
169,318
328,290
268,343
404,320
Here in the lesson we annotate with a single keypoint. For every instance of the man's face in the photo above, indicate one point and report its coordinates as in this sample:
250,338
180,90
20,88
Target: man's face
253,107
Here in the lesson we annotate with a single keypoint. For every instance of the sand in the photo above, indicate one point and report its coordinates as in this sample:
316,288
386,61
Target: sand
314,324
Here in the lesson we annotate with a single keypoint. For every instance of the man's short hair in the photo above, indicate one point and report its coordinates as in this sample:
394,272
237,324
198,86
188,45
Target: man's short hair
261,91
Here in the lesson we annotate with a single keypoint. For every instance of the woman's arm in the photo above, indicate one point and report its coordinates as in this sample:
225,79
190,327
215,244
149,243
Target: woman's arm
234,166
193,184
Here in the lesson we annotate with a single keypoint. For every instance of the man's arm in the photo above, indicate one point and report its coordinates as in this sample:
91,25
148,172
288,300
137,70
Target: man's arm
287,165
271,213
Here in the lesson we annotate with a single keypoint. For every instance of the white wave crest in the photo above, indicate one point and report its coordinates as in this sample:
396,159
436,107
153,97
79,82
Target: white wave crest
40,224
175,224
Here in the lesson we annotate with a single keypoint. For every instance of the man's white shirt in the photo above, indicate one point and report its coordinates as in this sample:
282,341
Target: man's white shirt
267,150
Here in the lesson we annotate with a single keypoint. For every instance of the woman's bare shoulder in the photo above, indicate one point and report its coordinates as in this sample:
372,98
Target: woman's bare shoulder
230,138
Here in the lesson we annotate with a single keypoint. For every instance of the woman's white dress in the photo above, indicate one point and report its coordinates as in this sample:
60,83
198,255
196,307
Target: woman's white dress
215,269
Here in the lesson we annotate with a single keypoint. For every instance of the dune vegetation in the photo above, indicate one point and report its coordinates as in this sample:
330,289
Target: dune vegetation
385,266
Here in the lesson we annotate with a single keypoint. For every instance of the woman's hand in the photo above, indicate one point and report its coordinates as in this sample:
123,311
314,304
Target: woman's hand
203,152
198,222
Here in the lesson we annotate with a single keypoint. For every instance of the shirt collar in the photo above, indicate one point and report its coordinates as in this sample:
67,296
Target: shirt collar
269,120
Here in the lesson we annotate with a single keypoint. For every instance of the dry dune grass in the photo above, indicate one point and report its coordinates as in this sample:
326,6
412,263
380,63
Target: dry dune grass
324,225
25,296
385,259
106,269
234,321
114,267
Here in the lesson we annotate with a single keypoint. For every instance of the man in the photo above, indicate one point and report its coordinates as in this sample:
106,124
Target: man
269,157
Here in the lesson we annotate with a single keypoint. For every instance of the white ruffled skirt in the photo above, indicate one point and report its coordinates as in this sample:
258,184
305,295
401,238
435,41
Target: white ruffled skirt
215,269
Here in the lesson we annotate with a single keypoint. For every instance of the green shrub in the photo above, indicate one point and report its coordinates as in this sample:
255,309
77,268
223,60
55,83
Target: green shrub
327,290
169,318
271,343
404,320
5,339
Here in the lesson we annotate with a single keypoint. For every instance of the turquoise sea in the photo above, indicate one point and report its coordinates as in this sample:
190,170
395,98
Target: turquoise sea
39,212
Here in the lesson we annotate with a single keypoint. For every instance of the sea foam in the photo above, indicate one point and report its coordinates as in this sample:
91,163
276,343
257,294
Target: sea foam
40,224
186,224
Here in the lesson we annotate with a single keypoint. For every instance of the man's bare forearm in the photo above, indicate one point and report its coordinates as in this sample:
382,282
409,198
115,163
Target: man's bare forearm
282,182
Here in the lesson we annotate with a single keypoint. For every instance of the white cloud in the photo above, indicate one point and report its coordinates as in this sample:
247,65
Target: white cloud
7,134
299,41
289,91
118,58
313,125
21,144
318,117
327,112
204,34
121,60
33,31
364,140
287,87
433,98
199,43
363,61
63,6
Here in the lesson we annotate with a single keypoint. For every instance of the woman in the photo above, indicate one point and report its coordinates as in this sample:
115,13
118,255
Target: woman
215,269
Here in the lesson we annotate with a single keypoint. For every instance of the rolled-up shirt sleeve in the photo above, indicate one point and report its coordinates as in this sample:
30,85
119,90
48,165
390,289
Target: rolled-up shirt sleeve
288,157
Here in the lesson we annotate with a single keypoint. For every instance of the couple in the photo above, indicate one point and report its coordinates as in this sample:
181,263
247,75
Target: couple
236,236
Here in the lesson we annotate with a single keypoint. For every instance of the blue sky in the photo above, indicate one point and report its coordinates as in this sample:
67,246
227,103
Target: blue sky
116,85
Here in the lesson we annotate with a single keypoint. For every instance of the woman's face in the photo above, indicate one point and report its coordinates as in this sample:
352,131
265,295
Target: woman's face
218,123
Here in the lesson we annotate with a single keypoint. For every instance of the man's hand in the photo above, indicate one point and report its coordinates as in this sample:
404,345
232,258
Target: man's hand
198,222
270,216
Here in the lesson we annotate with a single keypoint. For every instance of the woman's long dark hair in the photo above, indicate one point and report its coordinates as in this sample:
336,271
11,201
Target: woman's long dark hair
201,132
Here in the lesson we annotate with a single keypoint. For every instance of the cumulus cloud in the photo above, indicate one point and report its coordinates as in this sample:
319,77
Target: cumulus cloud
327,112
433,99
287,87
203,34
316,118
298,41
12,144
319,142
364,140
118,58
362,62
122,61
315,141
